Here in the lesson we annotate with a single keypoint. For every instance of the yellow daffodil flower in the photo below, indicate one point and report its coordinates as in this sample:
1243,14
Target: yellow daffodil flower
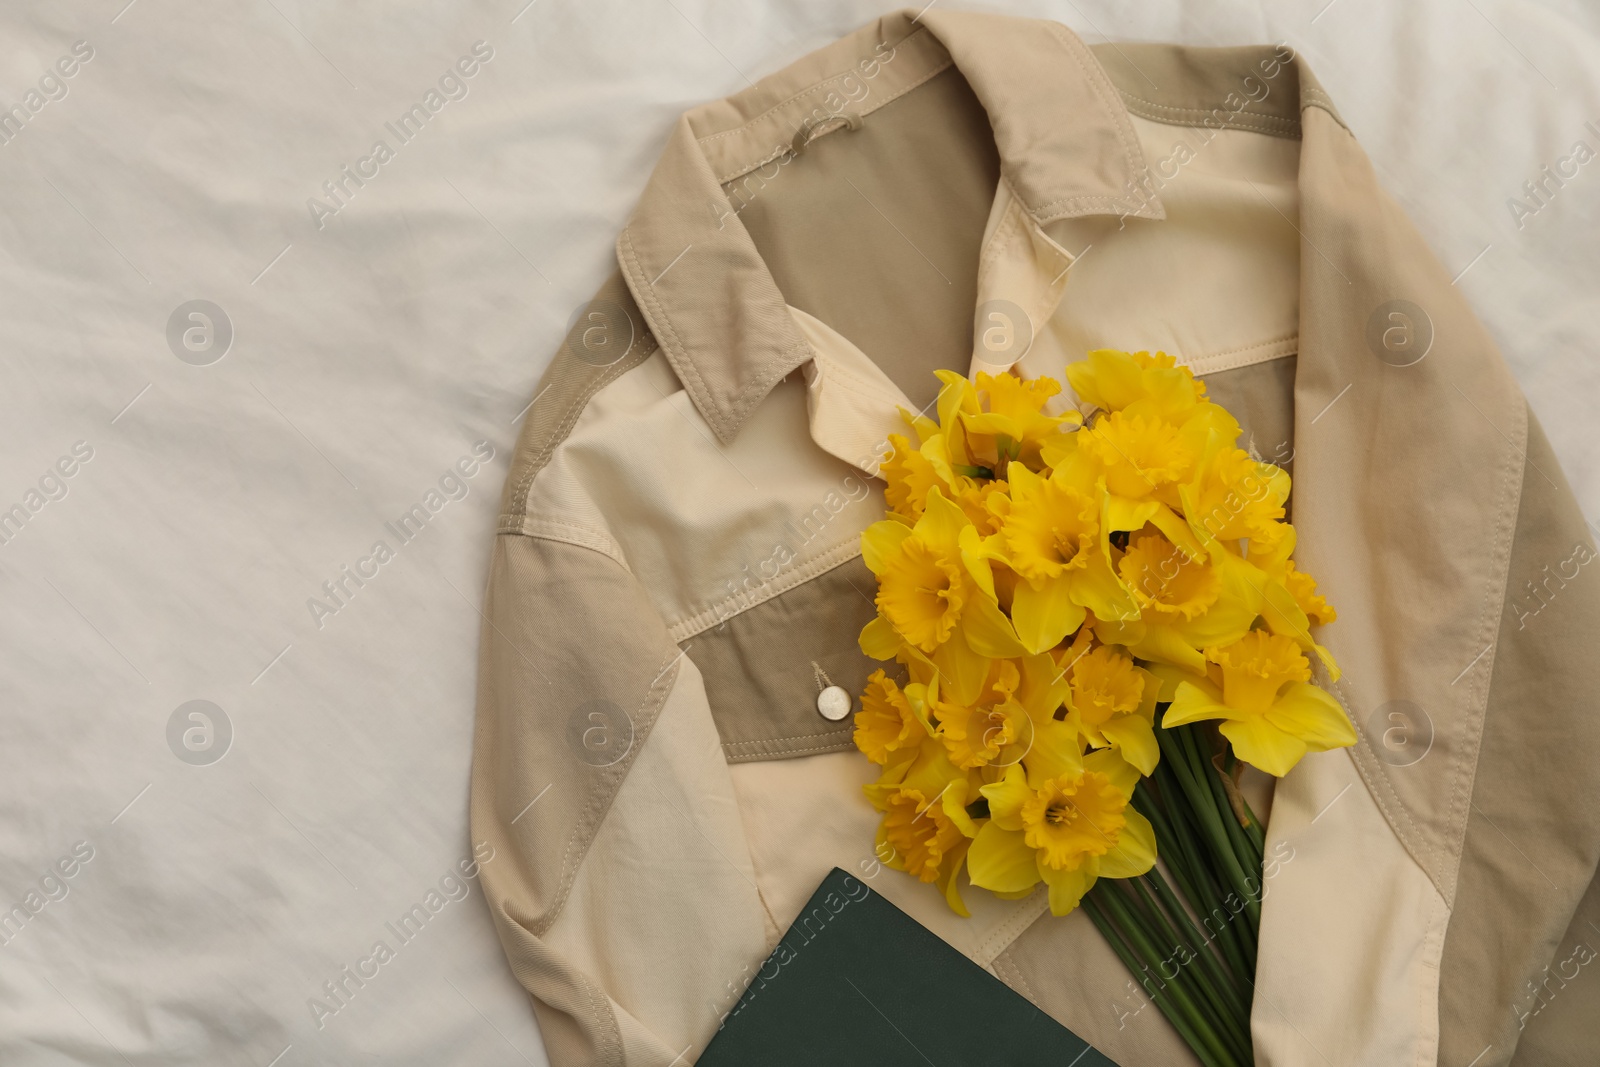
1234,497
926,829
1053,536
1139,465
1112,380
1289,599
887,723
1067,831
1057,746
1303,588
1015,426
1270,712
936,594
958,398
909,473
975,735
1046,583
922,830
1184,603
1113,704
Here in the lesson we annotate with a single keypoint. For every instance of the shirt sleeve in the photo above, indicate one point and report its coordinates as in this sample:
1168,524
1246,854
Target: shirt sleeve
620,881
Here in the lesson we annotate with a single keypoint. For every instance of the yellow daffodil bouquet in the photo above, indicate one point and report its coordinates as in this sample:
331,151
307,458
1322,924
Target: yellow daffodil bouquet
1097,624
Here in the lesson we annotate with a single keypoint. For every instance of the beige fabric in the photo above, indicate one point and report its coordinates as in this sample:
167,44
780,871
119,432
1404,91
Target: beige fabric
674,534
763,668
1066,968
1351,930
855,205
803,817
1261,397
608,340
539,691
675,835
1218,277
709,530
698,278
1255,88
1533,829
1557,1007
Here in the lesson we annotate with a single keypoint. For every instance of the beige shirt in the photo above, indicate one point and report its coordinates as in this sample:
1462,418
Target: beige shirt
677,571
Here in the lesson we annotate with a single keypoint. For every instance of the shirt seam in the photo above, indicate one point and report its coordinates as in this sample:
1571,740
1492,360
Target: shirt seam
1285,127
569,533
1094,74
837,555
1246,355
604,793
801,94
885,102
540,458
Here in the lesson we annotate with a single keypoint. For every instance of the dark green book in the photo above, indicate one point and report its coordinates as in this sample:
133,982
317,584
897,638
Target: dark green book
857,981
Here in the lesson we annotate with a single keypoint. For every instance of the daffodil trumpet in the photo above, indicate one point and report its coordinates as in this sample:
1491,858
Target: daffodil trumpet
1095,622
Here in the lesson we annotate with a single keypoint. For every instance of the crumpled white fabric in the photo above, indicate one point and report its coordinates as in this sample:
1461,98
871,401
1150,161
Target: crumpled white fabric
210,906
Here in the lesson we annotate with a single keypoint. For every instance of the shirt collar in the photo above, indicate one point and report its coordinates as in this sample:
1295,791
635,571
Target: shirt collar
1065,144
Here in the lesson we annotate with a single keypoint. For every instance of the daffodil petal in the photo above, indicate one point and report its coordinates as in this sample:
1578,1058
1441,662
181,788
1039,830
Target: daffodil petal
1044,688
1043,617
961,670
1135,738
954,801
941,524
1098,588
1162,644
1057,750
1135,851
1126,514
1066,887
949,884
1261,744
975,556
1006,798
1223,623
1001,860
1177,530
1123,775
880,541
1312,715
1192,704
1169,677
988,630
879,640
1119,631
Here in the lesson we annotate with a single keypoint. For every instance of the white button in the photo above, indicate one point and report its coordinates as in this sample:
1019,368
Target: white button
834,703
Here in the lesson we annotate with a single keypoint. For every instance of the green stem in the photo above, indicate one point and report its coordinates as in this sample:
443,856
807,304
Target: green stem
1203,805
1208,888
1257,832
1245,847
1118,910
1228,985
1231,1023
1164,1004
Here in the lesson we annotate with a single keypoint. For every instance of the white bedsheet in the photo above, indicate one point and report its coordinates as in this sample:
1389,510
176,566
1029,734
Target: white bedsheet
369,354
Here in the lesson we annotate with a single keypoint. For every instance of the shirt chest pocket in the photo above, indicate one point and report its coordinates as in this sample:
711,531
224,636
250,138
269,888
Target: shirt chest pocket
771,672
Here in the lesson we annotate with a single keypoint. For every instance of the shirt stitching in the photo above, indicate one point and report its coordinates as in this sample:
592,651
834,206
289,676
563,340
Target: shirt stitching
939,69
1098,84
803,93
541,456
709,616
1290,127
604,792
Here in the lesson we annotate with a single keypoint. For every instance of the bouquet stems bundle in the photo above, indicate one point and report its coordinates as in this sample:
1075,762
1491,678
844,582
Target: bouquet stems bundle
1193,950
1097,622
